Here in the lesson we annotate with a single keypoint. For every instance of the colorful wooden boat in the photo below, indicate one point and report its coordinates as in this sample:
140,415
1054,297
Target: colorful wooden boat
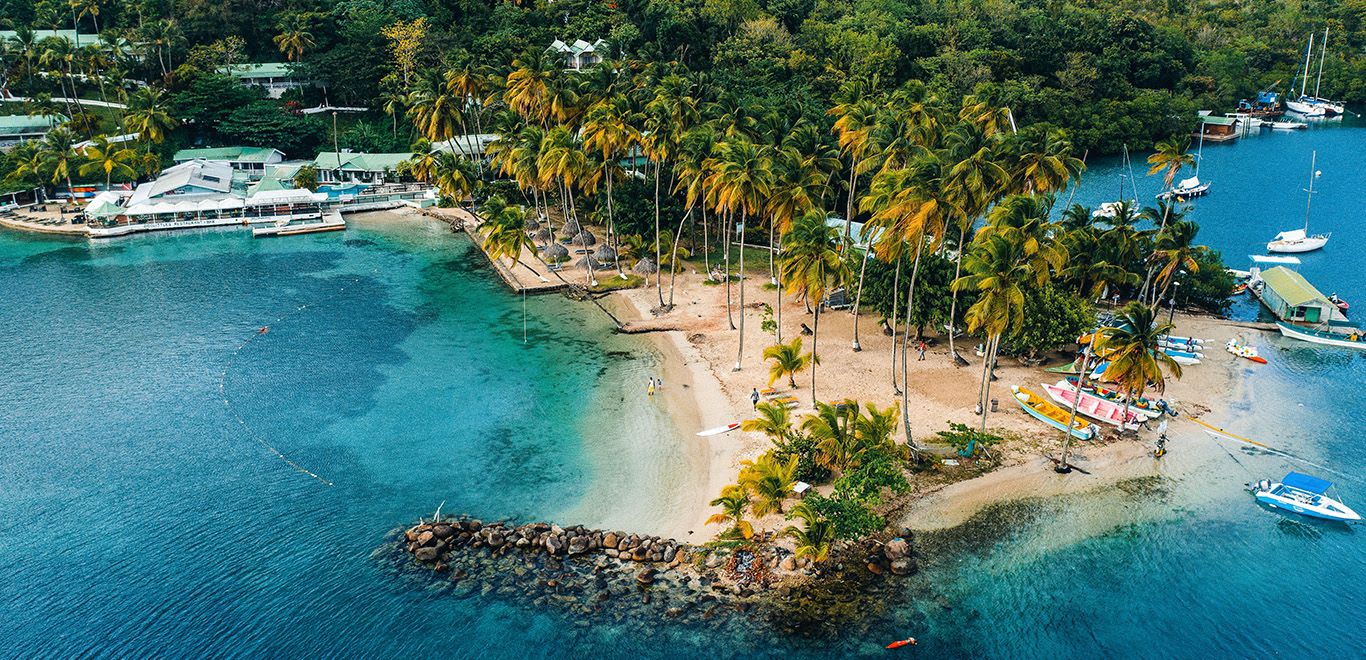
1049,413
1355,339
1093,406
1141,405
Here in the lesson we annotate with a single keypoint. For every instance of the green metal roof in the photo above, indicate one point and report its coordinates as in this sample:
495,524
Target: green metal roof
236,154
26,124
1220,121
362,162
69,35
1293,288
262,70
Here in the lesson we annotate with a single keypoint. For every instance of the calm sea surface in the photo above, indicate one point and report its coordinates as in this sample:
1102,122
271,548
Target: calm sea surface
144,510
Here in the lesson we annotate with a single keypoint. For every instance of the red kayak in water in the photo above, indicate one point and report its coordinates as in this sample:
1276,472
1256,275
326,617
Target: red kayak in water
909,641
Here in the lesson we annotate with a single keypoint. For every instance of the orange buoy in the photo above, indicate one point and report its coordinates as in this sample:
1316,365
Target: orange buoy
264,329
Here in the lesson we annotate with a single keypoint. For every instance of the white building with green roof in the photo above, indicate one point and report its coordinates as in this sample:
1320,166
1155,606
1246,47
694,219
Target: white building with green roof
274,77
22,128
251,160
1293,299
354,166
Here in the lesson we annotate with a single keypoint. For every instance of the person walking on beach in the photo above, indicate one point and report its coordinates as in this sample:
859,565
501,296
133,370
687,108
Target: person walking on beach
921,348
650,389
754,398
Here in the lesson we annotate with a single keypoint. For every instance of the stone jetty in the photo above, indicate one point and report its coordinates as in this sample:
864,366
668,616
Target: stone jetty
593,574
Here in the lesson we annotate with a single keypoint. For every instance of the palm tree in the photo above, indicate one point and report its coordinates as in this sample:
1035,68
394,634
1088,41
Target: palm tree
294,37
83,8
528,88
977,180
609,133
812,264
741,178
109,159
1174,250
505,235
788,360
1043,162
774,421
453,176
58,156
1171,156
147,115
1131,347
815,539
769,481
733,502
833,427
563,161
999,268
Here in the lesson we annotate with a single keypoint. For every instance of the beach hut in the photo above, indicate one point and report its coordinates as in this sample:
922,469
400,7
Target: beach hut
1292,298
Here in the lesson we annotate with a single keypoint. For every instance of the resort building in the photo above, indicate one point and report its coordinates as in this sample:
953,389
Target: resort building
22,128
1293,299
251,160
357,167
274,77
77,38
580,54
469,146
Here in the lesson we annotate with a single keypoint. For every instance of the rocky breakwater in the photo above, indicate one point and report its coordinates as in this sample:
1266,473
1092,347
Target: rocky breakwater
606,575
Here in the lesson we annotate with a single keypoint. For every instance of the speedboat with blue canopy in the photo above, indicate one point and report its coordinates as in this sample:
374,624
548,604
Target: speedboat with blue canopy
1305,495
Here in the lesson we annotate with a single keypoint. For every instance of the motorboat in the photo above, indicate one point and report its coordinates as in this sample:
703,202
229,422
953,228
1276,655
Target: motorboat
1288,125
1244,351
1049,413
1305,495
1353,339
1300,240
1341,304
1092,406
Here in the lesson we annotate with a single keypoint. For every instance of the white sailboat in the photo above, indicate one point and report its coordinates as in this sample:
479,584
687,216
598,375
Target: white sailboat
1315,105
1109,210
1191,187
1300,240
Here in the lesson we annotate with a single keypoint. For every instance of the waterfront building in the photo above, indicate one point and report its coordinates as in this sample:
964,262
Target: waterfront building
358,167
252,161
22,128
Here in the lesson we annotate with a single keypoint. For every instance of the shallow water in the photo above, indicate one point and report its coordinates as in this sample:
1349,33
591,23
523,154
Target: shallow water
144,515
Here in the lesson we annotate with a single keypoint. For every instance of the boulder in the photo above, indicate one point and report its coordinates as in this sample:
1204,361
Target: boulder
474,525
426,555
646,577
639,554
670,554
495,540
443,531
578,545
902,566
789,564
874,568
896,549
425,538
553,544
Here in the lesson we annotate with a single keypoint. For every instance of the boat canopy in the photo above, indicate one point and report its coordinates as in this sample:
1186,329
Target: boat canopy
1291,235
1268,259
1306,483
1193,182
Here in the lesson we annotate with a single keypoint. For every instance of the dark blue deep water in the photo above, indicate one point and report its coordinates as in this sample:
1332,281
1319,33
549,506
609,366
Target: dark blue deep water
141,514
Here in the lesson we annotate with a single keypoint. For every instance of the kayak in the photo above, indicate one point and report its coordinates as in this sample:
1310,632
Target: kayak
719,430
1244,351
909,641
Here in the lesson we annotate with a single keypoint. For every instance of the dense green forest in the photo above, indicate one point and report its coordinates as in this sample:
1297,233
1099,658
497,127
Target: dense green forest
1111,73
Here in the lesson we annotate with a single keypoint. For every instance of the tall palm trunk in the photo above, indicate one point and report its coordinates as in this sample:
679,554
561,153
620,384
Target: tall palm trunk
673,256
612,238
740,353
1063,465
815,336
659,265
726,237
953,304
706,244
906,345
993,343
896,286
858,297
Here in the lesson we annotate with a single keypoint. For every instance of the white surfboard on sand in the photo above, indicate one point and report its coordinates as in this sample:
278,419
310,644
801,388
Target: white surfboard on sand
719,430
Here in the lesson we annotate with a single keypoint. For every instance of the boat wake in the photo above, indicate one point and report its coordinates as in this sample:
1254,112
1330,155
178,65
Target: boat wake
227,401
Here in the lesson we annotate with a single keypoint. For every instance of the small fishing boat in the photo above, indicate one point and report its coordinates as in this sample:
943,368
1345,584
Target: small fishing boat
1288,125
719,430
1092,406
1341,304
1183,358
1353,339
1244,351
1140,405
1239,288
1050,414
1068,368
1299,240
1304,495
1188,347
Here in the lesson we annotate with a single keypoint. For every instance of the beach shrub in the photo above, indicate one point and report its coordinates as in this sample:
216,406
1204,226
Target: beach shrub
1210,288
962,436
1052,317
932,294
806,449
879,468
850,517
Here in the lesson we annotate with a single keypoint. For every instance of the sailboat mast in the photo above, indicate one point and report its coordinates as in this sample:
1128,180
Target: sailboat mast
1123,167
1308,58
1200,153
1309,201
1323,54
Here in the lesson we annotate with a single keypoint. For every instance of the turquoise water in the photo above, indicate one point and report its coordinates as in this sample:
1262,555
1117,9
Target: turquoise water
143,515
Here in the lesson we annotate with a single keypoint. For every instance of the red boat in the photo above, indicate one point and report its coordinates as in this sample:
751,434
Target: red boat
909,641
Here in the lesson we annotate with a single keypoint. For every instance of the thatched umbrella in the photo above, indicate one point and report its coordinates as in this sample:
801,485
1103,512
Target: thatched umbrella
646,266
555,252
605,253
532,224
543,236
585,238
570,228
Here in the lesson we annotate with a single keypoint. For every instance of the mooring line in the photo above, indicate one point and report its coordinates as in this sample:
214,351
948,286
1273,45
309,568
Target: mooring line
1217,432
227,402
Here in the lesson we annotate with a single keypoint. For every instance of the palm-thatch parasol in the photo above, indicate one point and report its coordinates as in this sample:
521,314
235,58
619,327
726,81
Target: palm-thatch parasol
585,238
543,235
532,224
555,252
605,253
570,228
646,266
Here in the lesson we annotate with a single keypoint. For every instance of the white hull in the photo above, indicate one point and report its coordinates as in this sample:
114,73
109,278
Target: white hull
1322,506
1307,244
1340,341
1306,109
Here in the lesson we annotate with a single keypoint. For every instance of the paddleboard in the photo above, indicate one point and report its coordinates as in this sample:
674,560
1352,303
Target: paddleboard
719,430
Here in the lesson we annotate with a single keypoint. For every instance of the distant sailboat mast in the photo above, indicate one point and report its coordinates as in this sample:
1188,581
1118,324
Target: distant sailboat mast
1308,62
1323,54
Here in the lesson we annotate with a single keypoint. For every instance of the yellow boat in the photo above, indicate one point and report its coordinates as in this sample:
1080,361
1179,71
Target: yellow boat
1051,414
